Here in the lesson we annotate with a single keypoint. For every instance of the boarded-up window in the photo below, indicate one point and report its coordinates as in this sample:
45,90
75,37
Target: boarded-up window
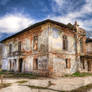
68,63
65,43
35,43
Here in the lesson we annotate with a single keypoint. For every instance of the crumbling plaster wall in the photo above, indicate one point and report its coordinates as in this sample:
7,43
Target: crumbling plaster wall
57,55
26,39
89,47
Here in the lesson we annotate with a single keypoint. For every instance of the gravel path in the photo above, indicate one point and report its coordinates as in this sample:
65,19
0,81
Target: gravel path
56,84
16,88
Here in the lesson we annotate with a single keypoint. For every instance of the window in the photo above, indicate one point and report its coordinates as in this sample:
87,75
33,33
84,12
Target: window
35,43
81,45
65,43
10,48
19,46
68,64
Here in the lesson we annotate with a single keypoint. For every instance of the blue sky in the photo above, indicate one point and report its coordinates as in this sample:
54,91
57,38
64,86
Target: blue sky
16,15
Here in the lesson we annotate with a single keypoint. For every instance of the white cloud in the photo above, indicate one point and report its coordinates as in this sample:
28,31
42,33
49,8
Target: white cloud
73,16
59,2
13,23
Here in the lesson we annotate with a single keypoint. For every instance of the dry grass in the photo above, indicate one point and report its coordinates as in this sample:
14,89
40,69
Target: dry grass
80,89
22,81
4,85
83,88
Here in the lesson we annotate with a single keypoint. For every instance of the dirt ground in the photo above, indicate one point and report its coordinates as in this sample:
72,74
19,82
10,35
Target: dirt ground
46,85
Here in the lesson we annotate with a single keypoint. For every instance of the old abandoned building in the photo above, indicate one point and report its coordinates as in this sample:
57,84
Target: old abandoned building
47,47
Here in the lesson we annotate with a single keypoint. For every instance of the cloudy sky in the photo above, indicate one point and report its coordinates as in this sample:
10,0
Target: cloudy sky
16,15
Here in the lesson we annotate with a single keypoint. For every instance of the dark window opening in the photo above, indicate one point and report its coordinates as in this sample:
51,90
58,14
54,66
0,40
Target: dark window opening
10,48
19,46
65,43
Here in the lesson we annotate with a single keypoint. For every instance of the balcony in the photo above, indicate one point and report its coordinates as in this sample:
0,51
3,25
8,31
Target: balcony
16,53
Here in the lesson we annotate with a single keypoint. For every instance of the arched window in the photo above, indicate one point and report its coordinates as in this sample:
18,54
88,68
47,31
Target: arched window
65,43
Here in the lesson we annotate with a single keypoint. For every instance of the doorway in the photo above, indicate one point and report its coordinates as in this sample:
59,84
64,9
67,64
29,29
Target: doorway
89,65
20,64
35,66
10,63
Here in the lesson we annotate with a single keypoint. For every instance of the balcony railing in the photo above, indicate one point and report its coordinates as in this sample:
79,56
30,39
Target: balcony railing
16,53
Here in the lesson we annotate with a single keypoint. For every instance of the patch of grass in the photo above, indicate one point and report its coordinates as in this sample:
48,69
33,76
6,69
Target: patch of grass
80,89
24,75
22,81
17,75
83,88
4,85
40,87
78,74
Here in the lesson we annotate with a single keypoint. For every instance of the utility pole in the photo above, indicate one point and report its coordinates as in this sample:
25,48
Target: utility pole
76,44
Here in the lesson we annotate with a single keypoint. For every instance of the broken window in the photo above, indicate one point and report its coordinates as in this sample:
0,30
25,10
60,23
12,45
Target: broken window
65,43
68,63
19,46
35,43
10,48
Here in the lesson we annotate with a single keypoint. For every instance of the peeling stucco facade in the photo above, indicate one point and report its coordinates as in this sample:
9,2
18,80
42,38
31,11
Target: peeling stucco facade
42,50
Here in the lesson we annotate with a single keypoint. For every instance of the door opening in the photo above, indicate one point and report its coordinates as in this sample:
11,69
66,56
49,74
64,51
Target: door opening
89,66
35,64
20,64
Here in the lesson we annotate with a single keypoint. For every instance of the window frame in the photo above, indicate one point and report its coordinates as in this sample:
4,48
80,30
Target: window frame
65,42
34,42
